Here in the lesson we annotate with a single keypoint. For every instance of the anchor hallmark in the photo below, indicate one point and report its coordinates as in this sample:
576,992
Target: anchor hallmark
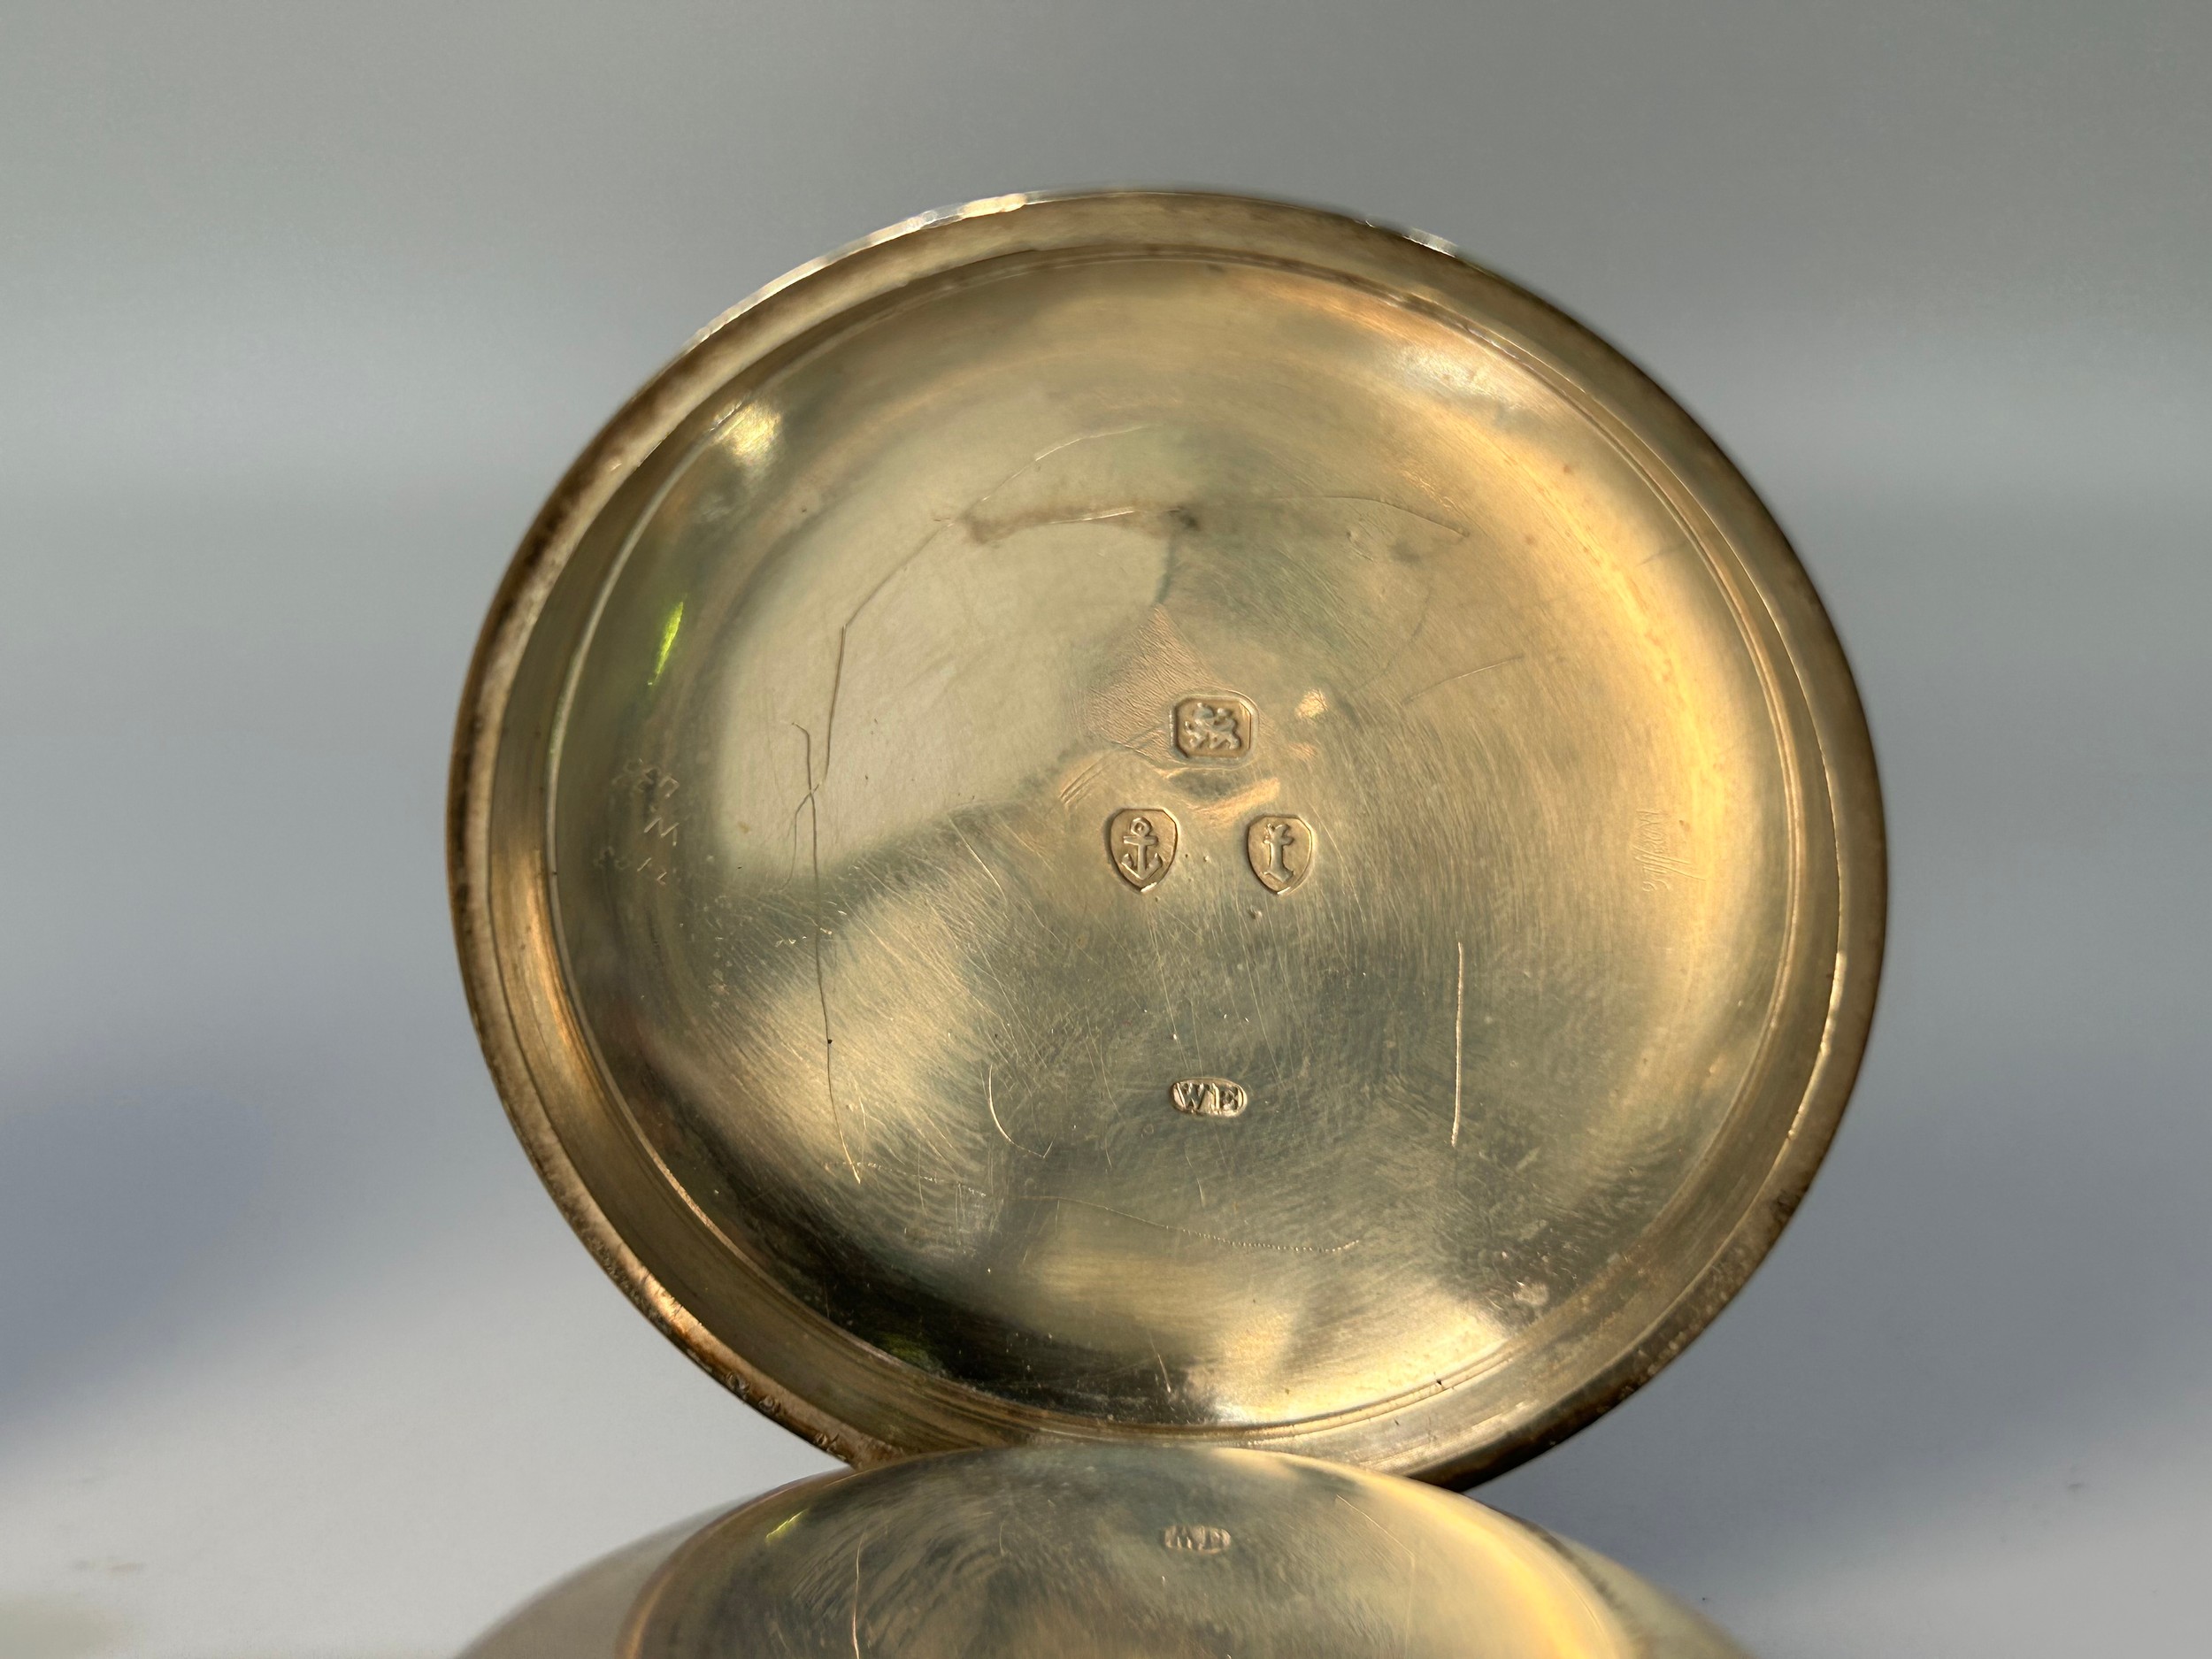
1141,841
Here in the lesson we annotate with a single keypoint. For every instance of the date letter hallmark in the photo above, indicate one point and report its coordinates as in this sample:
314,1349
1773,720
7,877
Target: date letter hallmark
1215,728
1193,1539
1281,850
1141,841
1210,1097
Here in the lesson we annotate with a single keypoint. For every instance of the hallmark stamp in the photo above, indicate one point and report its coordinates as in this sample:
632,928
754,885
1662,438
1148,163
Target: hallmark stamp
1215,727
1210,1097
1141,841
1281,850
1194,1539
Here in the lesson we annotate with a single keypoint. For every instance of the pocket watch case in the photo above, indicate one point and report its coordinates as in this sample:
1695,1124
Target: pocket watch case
1155,823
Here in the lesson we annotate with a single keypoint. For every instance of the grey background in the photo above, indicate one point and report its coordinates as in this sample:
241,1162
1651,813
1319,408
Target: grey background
304,307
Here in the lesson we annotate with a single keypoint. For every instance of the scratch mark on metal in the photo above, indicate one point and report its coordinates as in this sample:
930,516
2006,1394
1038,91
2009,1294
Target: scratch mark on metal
1192,1233
978,857
1413,1569
1143,1221
1044,927
1459,530
1420,626
990,1104
821,978
857,1550
1079,781
1465,673
1103,516
837,676
1459,1034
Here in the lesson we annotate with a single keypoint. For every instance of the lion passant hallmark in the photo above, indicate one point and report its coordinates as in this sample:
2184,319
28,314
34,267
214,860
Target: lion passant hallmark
1216,727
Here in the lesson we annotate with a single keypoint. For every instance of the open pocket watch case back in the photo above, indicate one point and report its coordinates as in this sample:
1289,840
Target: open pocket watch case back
1190,853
